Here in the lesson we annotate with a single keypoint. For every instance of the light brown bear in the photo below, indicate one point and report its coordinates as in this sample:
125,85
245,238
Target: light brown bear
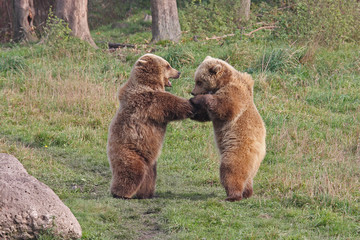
225,96
137,131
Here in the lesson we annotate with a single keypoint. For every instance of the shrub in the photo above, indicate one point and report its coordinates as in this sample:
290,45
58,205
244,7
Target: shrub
59,43
56,31
328,22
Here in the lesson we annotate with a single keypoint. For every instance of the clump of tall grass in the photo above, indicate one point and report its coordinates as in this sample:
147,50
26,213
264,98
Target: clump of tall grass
12,63
279,59
177,57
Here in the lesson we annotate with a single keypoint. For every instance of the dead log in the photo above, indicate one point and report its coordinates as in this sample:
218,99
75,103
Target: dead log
120,45
116,45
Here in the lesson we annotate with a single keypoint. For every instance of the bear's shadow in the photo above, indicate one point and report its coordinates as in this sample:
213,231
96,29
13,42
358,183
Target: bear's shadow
187,196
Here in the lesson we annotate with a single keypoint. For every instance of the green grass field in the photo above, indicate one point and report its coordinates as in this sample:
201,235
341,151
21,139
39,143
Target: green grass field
57,103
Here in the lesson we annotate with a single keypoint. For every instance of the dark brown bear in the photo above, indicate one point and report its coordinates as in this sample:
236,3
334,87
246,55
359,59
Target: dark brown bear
137,131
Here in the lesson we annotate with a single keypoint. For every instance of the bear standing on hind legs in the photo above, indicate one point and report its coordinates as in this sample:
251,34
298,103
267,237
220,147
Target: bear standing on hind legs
137,131
225,96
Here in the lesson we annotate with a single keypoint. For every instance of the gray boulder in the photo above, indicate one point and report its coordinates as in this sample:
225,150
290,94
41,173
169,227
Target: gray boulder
28,206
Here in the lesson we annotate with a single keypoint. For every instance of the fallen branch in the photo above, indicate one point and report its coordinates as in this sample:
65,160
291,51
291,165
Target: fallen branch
117,45
120,45
220,37
260,28
246,34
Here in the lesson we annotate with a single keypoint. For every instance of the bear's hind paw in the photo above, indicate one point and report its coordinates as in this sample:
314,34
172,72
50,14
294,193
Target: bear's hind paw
120,197
233,198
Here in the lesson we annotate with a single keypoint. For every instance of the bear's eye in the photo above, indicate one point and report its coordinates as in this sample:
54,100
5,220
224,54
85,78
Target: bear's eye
168,67
198,83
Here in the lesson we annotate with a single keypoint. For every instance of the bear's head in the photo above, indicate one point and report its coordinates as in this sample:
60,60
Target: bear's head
153,71
211,75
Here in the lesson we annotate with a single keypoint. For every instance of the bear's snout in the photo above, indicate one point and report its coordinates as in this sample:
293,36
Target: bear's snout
178,75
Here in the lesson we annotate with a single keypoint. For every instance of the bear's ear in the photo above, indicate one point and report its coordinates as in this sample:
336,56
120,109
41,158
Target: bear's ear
215,69
144,60
141,62
207,58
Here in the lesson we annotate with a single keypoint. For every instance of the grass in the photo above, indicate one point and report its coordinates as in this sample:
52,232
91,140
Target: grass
57,103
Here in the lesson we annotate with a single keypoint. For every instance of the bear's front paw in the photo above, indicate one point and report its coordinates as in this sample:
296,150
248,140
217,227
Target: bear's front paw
200,115
199,109
201,100
197,100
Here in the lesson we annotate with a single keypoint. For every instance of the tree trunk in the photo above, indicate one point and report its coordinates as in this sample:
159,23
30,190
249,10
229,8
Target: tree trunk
6,20
23,22
74,12
165,20
244,11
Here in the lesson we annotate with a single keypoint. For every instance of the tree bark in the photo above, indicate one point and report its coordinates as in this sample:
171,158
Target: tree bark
42,8
74,12
244,11
165,20
6,20
23,21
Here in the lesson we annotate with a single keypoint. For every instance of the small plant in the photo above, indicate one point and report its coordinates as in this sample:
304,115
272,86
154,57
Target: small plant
56,31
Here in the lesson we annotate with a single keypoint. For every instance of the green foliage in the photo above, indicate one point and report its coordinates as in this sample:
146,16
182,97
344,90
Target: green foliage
58,42
56,31
215,16
327,22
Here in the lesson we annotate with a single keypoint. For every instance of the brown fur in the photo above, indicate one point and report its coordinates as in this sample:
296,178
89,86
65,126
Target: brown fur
137,131
225,96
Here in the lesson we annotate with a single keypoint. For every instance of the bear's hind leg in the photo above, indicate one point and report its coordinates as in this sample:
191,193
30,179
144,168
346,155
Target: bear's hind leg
127,177
147,188
233,182
233,193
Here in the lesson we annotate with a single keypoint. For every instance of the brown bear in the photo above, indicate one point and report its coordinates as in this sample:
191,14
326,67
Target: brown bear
225,96
137,131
